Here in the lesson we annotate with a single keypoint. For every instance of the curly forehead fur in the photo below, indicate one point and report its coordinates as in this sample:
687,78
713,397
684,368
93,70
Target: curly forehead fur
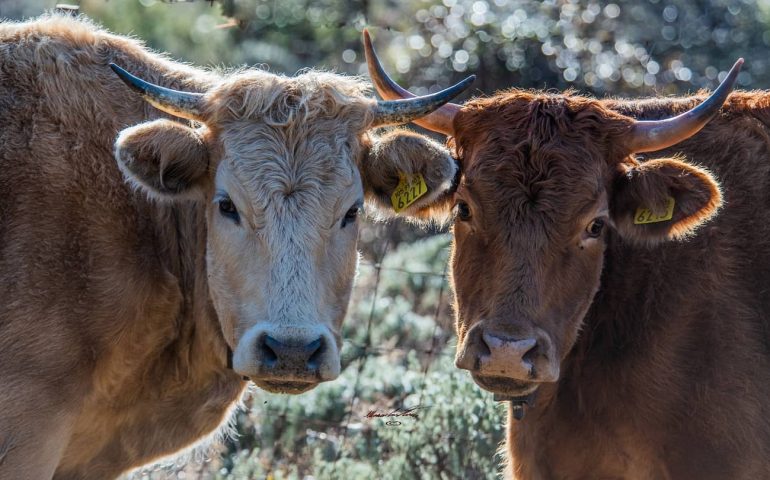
303,135
528,155
283,101
554,123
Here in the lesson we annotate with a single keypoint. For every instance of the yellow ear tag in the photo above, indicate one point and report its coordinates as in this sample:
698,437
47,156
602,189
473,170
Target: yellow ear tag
408,190
645,215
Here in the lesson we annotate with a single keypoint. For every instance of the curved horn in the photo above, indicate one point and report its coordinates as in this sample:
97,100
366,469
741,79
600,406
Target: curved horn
405,110
652,135
441,118
180,104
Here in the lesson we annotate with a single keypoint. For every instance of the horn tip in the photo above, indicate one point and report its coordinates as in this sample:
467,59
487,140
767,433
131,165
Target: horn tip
732,75
465,83
121,73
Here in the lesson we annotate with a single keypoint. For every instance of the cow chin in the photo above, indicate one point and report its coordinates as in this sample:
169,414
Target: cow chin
285,387
505,387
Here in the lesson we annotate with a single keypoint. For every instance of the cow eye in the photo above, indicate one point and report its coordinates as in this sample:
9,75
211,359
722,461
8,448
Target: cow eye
462,211
351,215
227,209
595,228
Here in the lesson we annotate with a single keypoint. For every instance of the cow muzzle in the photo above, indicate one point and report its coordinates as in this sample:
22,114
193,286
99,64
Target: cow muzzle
287,360
508,365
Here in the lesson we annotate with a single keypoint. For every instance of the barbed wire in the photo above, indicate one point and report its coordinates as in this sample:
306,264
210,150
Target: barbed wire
366,350
403,270
431,350
377,351
358,353
361,360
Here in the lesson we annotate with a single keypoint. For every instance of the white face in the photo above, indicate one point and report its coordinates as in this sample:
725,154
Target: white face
281,255
276,161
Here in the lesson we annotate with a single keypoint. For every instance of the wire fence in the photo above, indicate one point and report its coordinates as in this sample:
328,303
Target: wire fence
347,429
367,350
378,272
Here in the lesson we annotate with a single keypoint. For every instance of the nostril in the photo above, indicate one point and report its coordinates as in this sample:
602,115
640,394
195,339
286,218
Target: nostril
529,359
316,350
529,355
483,347
277,356
311,347
474,349
269,348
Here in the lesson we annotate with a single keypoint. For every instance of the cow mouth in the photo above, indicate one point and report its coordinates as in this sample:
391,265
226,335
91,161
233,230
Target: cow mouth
505,387
287,387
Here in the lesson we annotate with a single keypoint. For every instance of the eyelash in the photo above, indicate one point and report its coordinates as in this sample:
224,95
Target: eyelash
227,209
596,227
351,215
462,211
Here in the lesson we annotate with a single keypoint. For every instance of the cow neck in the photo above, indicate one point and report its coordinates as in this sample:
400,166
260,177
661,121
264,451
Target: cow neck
182,230
181,226
612,330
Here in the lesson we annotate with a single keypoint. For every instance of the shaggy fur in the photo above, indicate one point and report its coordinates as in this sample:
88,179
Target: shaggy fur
119,299
165,158
660,331
381,179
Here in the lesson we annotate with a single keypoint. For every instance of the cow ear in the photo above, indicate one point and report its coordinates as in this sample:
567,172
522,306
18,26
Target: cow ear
165,158
662,200
409,175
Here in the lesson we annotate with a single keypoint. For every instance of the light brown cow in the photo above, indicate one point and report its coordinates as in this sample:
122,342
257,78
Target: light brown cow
597,284
120,300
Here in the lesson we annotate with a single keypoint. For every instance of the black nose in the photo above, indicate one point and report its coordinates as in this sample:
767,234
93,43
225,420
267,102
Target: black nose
280,356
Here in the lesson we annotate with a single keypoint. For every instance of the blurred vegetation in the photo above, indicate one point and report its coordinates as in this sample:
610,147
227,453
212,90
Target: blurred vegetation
398,339
397,355
625,46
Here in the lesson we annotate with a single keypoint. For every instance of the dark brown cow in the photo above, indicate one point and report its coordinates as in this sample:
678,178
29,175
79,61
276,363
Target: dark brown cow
601,288
125,279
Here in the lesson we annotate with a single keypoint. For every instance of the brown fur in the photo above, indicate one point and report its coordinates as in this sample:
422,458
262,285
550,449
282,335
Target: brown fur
112,353
412,153
165,157
664,346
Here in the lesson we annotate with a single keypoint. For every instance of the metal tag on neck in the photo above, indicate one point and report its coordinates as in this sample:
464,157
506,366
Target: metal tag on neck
517,403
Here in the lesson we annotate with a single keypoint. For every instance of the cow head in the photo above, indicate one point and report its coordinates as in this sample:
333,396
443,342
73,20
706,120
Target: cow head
283,166
545,177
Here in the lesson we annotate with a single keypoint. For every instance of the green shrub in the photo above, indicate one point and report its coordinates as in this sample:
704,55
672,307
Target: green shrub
325,433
